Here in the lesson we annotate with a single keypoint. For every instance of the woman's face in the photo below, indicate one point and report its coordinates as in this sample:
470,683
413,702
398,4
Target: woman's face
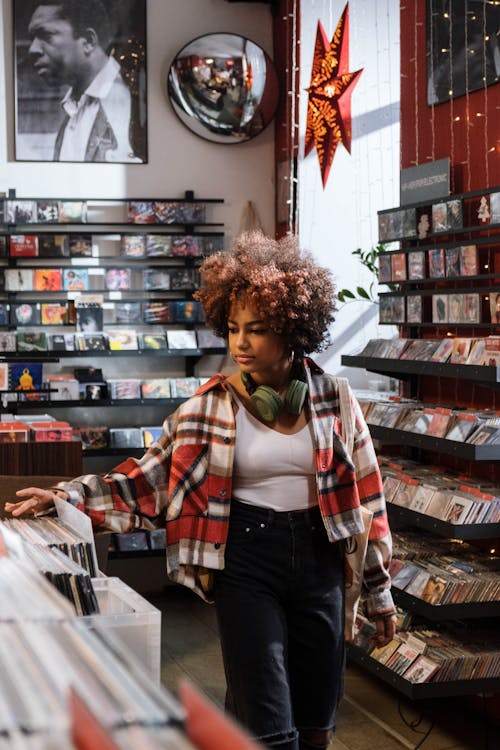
255,347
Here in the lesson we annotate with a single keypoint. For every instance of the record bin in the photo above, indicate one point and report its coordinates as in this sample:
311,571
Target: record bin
126,614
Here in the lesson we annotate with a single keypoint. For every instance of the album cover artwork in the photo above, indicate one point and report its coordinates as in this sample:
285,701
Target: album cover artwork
90,342
75,279
156,279
23,246
72,212
3,246
414,308
436,263
454,218
32,341
120,437
170,212
7,341
117,279
469,265
384,268
20,212
133,245
18,279
494,298
62,342
452,262
181,339
47,211
63,387
47,279
122,340
80,245
186,245
94,438
439,308
439,217
424,221
212,244
158,245
153,341
208,340
93,391
89,318
26,376
184,278
156,388
185,311
456,308
25,314
151,435
471,308
128,312
4,313
409,222
53,314
53,246
495,208
156,312
384,227
125,389
416,265
398,266
141,212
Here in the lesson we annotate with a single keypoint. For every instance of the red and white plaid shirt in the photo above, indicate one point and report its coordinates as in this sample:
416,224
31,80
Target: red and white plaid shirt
183,481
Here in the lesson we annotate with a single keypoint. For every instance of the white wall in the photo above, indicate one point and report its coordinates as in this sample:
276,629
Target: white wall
178,160
336,220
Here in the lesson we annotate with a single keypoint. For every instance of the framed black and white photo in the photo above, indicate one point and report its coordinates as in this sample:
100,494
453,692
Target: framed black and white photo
80,80
463,48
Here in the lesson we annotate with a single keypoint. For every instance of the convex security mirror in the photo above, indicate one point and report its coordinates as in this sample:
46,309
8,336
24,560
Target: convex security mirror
223,87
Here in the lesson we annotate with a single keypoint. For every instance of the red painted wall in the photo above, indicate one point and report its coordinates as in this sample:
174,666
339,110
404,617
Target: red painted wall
451,129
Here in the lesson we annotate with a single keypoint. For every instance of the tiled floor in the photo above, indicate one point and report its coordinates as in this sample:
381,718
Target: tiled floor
373,716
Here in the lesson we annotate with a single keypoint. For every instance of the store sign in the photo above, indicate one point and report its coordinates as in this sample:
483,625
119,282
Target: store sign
425,182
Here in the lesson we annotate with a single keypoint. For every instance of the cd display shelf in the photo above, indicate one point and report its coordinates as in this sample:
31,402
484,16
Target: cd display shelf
95,237
418,380
442,265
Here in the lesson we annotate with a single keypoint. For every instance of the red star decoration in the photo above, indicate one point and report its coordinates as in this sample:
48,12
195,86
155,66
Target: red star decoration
329,104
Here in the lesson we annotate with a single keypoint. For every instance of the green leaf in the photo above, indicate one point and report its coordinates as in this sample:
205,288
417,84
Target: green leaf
362,292
345,293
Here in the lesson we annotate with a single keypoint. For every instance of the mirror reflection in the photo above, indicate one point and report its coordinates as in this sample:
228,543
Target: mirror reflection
223,87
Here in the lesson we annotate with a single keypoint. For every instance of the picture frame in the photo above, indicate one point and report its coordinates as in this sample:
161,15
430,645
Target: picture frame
449,27
114,35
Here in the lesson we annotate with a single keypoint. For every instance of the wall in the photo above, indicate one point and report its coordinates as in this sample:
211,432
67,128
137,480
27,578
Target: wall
342,216
178,160
465,129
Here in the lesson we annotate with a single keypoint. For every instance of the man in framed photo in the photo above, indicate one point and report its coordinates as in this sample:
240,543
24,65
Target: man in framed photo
70,44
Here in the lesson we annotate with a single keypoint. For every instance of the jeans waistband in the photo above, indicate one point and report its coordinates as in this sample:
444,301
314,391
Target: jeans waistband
284,518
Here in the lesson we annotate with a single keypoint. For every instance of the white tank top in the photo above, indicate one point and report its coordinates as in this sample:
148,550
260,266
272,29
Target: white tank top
273,470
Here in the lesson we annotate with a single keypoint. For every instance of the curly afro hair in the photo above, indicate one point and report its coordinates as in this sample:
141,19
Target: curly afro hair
294,295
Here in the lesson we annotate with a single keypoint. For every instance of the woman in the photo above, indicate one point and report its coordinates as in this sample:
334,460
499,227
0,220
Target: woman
258,494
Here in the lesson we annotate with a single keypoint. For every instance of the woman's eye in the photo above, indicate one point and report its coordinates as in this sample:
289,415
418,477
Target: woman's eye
259,330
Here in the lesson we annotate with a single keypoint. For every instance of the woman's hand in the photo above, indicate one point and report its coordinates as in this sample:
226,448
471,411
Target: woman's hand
35,500
386,630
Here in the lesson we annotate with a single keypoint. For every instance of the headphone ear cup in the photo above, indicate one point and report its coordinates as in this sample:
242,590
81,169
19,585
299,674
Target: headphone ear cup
295,396
267,403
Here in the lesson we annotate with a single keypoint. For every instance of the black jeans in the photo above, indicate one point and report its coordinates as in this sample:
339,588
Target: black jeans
280,608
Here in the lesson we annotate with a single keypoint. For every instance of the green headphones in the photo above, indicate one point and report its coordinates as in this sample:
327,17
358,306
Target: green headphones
267,402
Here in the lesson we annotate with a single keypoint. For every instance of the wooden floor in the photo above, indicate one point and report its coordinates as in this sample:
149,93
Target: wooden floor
372,716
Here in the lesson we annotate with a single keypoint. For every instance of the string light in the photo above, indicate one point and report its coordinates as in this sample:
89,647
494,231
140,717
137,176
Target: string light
415,52
485,83
450,92
467,118
432,96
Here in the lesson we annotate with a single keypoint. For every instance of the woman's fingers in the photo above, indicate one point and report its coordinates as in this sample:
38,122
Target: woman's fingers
35,500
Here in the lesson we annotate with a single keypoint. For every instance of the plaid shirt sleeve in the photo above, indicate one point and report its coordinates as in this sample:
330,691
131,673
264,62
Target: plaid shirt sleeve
369,482
131,496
